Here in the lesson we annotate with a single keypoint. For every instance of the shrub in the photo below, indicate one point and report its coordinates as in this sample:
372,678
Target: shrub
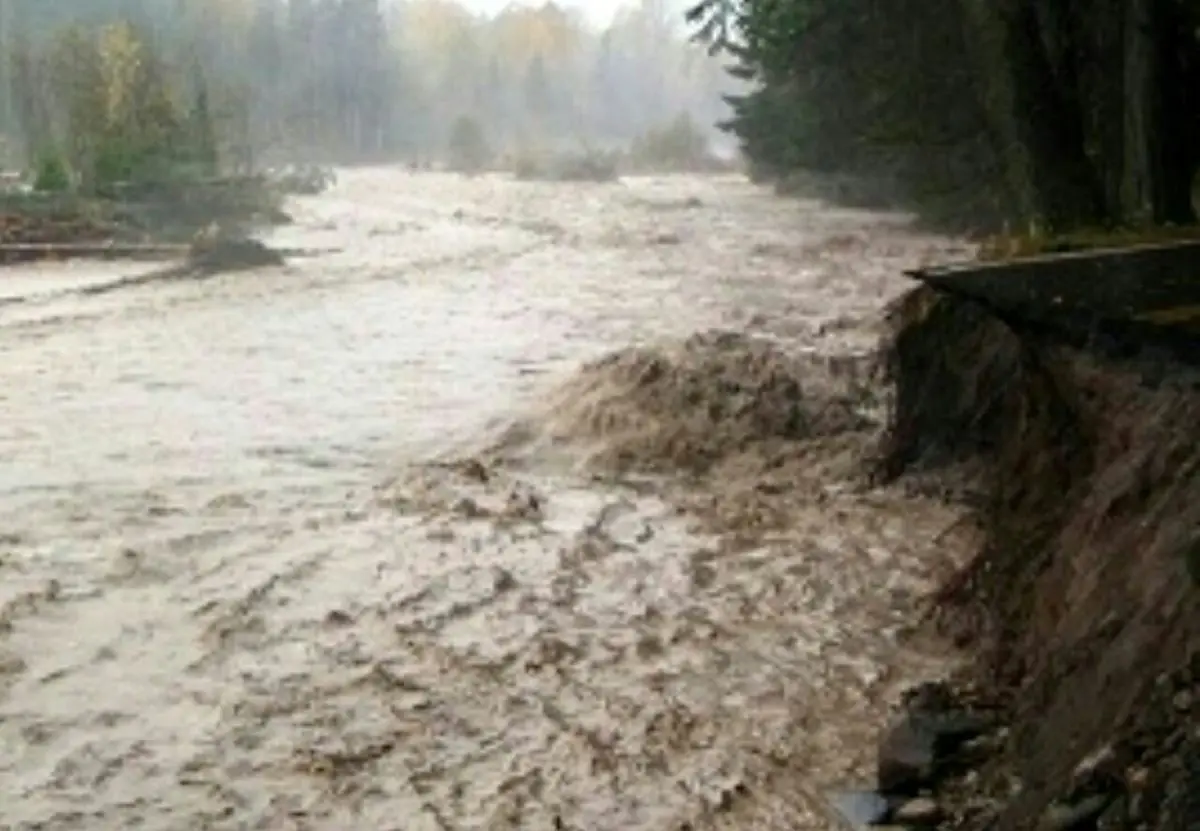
51,175
467,149
677,146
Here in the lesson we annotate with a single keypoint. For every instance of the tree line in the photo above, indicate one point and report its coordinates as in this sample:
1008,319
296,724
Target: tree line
1063,114
337,80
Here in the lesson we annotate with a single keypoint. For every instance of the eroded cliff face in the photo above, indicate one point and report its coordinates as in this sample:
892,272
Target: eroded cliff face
1081,610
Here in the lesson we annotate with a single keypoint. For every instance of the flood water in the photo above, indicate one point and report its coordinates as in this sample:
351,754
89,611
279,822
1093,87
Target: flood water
234,595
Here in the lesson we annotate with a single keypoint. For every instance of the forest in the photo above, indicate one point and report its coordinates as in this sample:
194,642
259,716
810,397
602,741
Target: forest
1061,115
253,82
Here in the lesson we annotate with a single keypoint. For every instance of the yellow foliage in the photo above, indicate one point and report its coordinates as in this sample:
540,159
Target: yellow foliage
433,28
120,64
522,32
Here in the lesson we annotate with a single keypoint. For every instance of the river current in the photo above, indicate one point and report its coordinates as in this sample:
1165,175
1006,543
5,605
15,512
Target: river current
247,581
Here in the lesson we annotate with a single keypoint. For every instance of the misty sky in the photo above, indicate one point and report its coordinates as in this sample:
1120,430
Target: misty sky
600,11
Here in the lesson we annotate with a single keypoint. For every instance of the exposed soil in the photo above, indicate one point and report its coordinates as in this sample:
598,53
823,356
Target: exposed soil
1082,608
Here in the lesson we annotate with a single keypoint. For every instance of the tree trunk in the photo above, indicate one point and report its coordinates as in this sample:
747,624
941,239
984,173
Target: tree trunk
1177,128
1101,44
1049,119
1142,179
1037,122
1159,122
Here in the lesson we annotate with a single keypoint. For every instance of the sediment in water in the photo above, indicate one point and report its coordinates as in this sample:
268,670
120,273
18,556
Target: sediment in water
742,431
685,407
1081,610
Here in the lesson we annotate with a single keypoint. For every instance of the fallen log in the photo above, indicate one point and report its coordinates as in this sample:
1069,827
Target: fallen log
26,252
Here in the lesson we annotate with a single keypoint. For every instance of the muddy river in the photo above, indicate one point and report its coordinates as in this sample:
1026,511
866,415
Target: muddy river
244,586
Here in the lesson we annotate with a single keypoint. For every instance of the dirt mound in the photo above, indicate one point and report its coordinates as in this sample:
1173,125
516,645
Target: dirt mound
686,407
1088,489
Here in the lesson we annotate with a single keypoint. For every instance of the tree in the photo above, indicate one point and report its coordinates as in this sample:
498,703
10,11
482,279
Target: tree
1064,114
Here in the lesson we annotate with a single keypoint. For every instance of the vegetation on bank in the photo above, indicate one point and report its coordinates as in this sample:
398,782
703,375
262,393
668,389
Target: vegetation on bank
977,113
123,145
101,108
677,146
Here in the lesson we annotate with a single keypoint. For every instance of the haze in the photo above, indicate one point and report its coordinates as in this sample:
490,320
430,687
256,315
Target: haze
596,11
384,80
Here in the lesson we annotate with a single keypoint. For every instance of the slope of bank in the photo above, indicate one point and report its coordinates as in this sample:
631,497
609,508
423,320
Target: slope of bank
148,222
1081,610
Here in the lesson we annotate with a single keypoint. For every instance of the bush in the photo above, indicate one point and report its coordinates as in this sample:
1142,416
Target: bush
51,175
678,146
588,166
467,149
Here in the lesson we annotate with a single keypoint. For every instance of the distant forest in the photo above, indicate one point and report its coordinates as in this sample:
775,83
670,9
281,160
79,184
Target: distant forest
369,80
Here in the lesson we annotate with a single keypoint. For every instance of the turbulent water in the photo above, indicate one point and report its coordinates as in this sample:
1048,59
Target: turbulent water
235,594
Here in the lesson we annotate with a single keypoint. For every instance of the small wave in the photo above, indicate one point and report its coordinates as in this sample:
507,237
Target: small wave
685,407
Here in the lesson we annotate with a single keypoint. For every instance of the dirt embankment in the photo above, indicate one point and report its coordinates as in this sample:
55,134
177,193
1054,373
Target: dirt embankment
1081,610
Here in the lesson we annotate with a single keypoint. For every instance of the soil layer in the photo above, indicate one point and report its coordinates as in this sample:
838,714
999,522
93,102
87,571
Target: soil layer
1081,610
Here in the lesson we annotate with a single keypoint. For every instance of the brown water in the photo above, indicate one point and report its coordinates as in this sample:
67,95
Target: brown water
234,596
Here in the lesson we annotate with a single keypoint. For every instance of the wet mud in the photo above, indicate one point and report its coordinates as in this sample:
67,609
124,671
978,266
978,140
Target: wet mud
527,506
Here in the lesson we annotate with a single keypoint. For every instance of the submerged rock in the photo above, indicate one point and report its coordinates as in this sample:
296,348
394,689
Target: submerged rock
922,811
913,751
861,809
1065,817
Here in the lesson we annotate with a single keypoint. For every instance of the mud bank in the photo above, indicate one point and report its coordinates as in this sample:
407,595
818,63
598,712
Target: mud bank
1080,613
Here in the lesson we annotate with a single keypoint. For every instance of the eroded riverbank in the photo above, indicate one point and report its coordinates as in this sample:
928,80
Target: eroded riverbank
238,595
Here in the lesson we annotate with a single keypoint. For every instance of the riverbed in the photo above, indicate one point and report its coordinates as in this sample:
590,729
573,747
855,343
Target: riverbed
246,585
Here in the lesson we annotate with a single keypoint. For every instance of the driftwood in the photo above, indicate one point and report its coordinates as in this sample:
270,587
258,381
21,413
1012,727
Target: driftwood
26,252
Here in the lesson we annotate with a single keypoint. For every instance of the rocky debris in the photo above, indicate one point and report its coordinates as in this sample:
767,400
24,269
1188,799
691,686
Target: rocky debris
969,776
1064,816
936,735
918,812
915,751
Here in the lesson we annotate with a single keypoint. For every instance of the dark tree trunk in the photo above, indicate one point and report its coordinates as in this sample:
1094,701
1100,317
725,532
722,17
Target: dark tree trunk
1141,186
1160,135
1050,123
1102,66
1036,114
1177,128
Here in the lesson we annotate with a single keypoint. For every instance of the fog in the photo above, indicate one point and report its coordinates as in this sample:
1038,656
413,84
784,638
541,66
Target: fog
343,81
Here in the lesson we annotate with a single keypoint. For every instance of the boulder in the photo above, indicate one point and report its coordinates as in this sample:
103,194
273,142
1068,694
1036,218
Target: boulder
914,751
921,811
